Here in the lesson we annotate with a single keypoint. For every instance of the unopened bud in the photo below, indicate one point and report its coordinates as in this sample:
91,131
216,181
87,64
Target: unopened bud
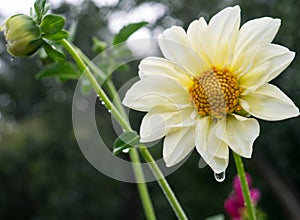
22,34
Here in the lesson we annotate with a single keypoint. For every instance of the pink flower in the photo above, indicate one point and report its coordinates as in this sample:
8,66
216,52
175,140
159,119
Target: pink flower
234,204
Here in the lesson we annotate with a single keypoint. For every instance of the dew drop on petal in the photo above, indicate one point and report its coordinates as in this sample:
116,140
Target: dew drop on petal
220,177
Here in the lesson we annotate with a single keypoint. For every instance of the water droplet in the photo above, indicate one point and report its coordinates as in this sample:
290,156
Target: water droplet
109,111
124,130
125,150
102,103
220,177
12,59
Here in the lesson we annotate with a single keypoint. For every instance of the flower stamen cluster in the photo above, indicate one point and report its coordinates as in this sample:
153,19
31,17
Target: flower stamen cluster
216,93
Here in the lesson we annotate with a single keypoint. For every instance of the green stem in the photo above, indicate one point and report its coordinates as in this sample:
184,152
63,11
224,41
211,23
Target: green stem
244,185
123,121
107,82
82,67
111,89
163,184
143,150
142,188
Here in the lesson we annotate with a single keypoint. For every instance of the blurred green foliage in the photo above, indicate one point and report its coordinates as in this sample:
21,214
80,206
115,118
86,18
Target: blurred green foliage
43,174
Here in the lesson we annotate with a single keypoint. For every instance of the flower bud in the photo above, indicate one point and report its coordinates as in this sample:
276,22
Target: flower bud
22,34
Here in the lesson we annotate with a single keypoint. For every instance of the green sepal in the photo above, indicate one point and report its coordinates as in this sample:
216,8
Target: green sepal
53,53
39,8
51,24
34,45
64,71
126,141
127,31
57,36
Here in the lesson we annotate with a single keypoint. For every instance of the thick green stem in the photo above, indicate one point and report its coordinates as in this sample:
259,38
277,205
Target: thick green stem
163,184
142,188
244,185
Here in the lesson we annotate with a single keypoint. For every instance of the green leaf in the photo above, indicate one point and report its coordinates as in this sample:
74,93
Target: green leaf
39,7
126,141
46,8
98,46
53,53
63,71
127,31
57,36
51,24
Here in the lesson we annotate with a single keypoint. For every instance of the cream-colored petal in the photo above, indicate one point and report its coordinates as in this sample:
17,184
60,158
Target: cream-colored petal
254,33
280,62
197,38
255,77
270,60
239,133
154,91
160,120
178,145
152,66
195,34
174,45
215,42
221,35
212,149
269,103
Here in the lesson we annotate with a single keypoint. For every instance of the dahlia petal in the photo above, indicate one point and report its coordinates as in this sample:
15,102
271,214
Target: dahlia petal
159,120
268,63
251,80
282,62
174,45
239,133
221,35
256,32
213,150
152,66
196,38
154,91
178,145
269,103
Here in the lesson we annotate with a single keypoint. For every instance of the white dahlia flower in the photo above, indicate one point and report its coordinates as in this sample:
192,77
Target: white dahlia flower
213,78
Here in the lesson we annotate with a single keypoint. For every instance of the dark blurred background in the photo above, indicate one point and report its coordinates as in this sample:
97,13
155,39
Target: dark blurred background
44,175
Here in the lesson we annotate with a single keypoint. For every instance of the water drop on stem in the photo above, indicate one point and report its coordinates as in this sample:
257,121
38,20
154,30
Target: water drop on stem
220,177
126,150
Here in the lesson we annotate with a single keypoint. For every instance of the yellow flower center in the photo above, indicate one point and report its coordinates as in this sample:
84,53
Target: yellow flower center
216,93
